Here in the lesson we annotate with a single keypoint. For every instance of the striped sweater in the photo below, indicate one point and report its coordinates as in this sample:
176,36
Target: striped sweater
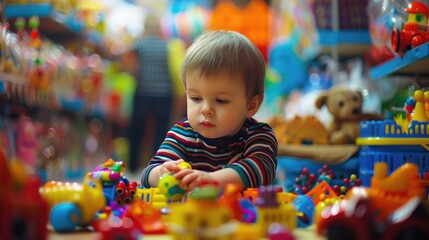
252,152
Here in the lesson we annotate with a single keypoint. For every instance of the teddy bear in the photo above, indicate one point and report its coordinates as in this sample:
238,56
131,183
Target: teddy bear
345,106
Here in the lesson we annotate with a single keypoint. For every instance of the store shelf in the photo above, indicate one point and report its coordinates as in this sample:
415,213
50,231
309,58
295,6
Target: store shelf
331,38
349,43
54,25
415,61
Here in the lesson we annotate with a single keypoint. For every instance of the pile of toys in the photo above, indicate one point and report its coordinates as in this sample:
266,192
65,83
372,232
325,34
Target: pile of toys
111,205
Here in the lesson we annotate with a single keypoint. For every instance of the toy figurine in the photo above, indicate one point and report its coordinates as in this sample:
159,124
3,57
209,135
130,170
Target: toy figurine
414,32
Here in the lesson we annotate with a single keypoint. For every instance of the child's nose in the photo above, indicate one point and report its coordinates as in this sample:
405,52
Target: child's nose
207,109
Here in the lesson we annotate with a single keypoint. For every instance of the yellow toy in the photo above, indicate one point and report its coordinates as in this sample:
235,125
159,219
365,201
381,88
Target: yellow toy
72,204
201,217
169,185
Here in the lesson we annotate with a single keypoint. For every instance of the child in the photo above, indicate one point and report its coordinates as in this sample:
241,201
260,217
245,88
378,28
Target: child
223,74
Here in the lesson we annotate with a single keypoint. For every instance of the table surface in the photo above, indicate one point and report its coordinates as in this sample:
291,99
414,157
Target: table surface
299,233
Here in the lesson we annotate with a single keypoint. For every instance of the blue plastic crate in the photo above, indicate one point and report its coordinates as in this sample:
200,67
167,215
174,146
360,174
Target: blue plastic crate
389,129
384,141
394,156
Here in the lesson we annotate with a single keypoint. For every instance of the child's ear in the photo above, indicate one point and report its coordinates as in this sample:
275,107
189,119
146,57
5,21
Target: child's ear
253,106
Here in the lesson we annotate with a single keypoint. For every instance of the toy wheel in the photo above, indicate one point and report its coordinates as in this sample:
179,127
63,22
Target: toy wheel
395,40
65,217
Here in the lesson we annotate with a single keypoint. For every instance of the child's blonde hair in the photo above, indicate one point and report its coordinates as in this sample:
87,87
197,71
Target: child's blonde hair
227,52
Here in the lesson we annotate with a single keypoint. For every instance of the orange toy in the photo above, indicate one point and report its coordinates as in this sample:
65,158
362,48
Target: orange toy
253,21
388,193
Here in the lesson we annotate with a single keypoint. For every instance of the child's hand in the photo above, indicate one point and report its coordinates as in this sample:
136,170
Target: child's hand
169,167
190,179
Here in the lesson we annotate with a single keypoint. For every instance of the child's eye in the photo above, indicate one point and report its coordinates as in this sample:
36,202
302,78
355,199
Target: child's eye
221,101
195,99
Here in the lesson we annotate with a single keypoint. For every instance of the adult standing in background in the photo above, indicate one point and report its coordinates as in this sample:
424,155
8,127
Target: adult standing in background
153,65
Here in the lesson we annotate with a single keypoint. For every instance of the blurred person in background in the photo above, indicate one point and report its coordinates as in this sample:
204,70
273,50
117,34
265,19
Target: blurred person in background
155,63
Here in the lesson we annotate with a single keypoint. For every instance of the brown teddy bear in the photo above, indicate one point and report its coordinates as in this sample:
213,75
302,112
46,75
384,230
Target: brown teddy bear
345,106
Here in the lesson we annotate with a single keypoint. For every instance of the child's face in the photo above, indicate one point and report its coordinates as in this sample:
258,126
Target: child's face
217,105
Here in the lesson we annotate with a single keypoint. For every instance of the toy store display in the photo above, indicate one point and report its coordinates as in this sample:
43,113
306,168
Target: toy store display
403,139
37,72
306,143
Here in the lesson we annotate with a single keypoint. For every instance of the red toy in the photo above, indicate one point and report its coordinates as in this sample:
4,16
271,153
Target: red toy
23,212
114,228
414,32
391,209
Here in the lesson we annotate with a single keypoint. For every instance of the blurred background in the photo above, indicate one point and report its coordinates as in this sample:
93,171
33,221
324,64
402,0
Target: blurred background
67,92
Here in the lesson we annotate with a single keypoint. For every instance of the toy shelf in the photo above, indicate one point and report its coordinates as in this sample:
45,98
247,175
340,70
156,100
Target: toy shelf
331,38
54,25
348,42
414,61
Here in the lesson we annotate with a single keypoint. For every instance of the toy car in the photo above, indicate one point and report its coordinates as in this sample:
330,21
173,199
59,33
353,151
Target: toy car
414,32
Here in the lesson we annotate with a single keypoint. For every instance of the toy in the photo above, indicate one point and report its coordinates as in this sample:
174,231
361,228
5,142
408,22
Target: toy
24,213
147,218
26,143
390,209
109,171
73,204
345,106
414,32
279,232
231,199
305,206
118,228
169,185
269,211
201,217
116,187
299,130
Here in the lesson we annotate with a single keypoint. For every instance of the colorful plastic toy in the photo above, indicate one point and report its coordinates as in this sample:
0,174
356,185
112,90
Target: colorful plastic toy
201,217
118,228
169,185
109,171
147,218
24,213
231,199
305,206
269,211
279,232
392,203
73,204
415,31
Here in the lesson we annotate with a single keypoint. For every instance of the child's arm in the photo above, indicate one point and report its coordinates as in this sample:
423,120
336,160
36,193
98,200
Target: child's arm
193,178
168,156
257,167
